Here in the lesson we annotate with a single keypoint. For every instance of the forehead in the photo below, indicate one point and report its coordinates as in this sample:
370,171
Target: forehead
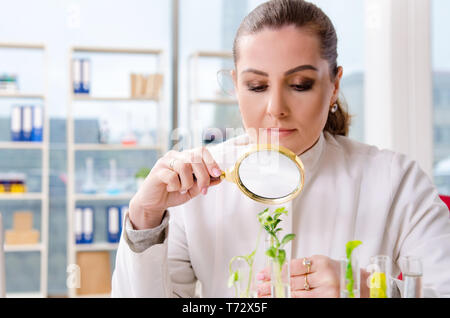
282,49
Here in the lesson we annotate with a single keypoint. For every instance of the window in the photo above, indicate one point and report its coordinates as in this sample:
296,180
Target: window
441,94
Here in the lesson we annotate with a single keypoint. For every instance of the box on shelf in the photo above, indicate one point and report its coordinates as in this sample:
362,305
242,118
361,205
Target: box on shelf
22,232
13,182
95,271
146,86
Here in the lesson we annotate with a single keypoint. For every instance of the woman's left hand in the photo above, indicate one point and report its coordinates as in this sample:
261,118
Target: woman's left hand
323,278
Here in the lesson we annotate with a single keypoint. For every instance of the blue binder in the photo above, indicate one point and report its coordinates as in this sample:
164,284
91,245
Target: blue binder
16,123
88,225
113,223
27,123
36,133
78,225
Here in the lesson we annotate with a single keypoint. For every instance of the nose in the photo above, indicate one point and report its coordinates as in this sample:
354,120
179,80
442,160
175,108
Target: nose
276,106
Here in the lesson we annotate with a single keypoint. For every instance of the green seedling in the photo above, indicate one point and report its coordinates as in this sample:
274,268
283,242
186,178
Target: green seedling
235,276
351,245
270,222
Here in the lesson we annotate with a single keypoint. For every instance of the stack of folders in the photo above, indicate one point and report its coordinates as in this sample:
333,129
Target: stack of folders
84,225
81,71
26,123
115,216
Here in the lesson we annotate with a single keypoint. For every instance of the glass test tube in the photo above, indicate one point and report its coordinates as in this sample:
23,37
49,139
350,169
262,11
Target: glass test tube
412,277
350,278
380,282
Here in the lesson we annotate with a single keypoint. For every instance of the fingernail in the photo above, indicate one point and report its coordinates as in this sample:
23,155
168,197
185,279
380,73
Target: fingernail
204,191
183,192
260,276
216,172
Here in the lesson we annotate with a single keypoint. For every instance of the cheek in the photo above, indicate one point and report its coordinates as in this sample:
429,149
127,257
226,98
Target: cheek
252,110
312,109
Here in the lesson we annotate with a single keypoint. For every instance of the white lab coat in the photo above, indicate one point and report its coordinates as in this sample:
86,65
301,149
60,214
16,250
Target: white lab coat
352,191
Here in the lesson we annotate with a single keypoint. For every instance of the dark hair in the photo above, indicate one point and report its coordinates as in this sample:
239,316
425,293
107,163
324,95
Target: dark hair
275,14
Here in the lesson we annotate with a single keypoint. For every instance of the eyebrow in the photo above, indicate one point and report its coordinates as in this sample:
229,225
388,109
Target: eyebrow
291,71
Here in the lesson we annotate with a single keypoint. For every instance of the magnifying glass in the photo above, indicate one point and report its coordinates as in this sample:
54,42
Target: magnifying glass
268,174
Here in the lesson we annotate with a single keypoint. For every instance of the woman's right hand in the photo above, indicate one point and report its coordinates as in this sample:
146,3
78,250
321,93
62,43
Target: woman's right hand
170,183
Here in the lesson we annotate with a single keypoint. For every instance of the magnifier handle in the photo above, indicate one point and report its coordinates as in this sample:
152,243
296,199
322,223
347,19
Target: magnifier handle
212,178
224,175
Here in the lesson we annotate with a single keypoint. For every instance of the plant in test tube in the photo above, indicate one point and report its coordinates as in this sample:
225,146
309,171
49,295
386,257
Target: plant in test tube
350,246
270,222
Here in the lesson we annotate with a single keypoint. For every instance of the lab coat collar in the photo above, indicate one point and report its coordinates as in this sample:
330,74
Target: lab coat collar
311,157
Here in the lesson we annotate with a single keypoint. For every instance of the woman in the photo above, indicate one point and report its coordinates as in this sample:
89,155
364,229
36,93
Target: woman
287,83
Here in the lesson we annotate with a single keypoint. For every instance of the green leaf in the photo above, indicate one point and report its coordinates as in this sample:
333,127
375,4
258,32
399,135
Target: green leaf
142,173
287,238
276,223
276,216
281,257
271,252
351,245
281,210
234,277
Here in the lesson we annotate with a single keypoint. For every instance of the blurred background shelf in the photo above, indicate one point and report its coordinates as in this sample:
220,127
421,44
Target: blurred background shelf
96,247
21,145
94,296
26,295
22,196
224,101
77,150
24,248
112,99
43,147
93,49
103,197
21,96
111,147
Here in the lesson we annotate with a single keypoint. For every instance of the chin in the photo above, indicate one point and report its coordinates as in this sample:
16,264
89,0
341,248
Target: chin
293,146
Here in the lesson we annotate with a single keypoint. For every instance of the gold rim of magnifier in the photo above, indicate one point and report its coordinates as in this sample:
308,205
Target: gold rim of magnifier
234,176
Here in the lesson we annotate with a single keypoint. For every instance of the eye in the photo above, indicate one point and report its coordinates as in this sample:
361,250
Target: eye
257,88
302,87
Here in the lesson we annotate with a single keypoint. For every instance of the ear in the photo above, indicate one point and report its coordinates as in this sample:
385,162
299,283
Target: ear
337,85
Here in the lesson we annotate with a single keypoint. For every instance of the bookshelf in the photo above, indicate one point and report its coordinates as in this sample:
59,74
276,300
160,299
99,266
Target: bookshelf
74,198
43,196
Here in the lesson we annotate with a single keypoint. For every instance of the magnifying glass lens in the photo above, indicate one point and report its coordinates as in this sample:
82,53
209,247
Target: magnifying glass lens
269,174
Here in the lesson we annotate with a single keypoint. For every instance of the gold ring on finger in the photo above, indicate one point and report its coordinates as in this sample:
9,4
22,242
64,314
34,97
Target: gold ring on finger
306,284
307,263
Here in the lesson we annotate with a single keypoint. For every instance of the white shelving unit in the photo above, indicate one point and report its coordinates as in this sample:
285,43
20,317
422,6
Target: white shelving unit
72,148
43,196
195,99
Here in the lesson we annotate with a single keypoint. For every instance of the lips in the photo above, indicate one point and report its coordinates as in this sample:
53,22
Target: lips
282,132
